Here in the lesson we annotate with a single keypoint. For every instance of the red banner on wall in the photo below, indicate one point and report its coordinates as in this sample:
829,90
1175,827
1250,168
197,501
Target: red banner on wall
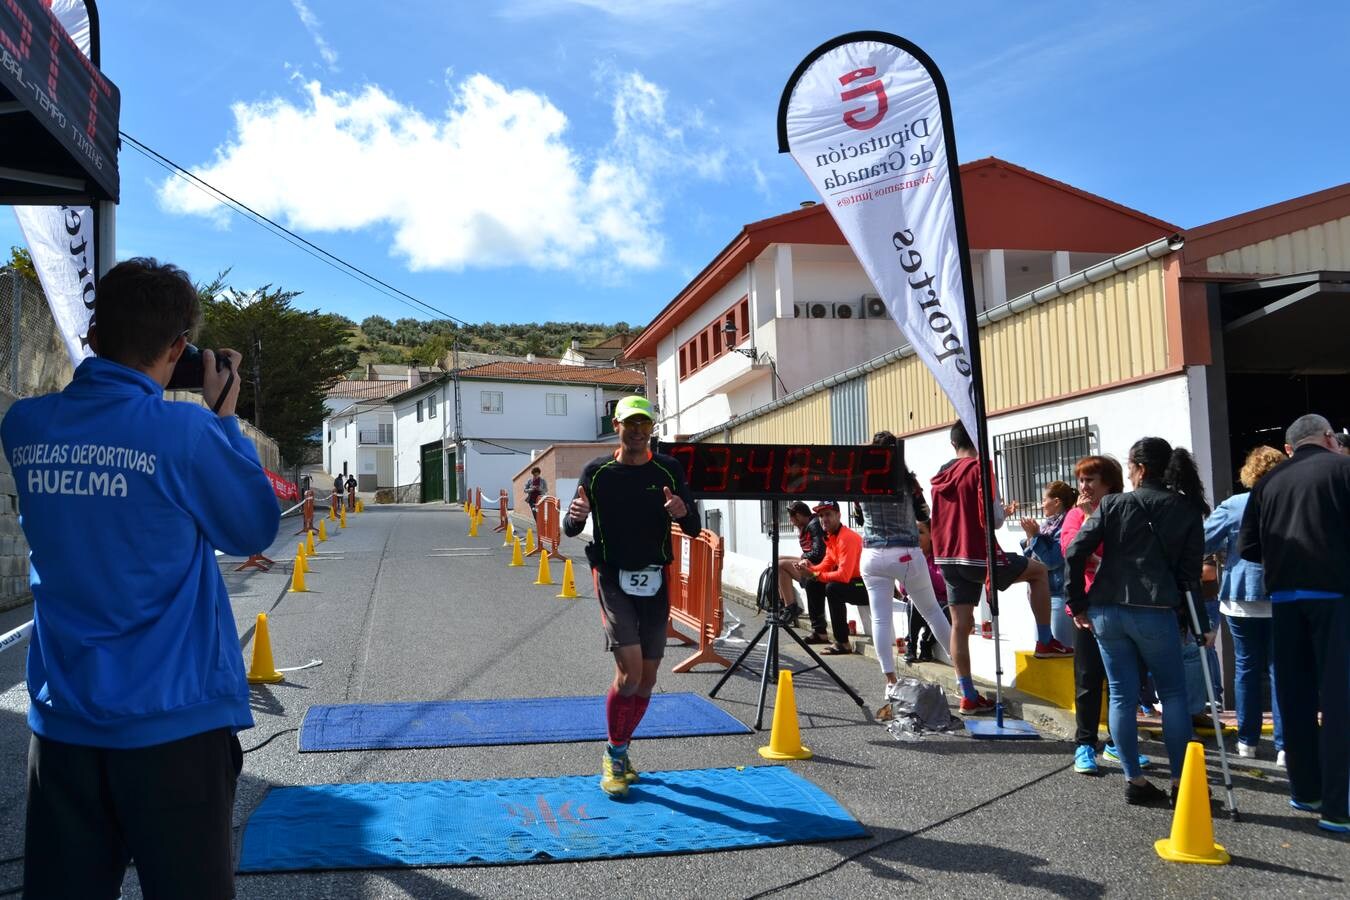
284,489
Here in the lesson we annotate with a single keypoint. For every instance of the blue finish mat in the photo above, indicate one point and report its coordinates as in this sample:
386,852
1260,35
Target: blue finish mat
520,820
471,723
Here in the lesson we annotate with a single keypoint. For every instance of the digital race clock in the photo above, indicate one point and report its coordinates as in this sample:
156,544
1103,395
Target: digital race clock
790,471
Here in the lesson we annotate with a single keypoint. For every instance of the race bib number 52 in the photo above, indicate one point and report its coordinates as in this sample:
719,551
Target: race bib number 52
640,582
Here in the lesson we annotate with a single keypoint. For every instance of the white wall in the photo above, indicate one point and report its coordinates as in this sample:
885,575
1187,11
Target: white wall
1117,418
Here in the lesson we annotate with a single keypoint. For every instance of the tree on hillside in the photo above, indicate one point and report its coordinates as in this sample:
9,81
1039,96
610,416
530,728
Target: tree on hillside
291,357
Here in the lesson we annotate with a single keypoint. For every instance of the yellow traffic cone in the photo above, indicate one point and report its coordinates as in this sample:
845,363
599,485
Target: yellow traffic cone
509,536
785,741
360,505
569,590
332,511
309,542
298,578
516,558
529,541
300,562
342,519
544,576
473,527
262,670
1192,839
323,531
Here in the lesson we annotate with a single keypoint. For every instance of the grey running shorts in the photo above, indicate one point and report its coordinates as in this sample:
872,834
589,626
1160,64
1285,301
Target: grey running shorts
630,620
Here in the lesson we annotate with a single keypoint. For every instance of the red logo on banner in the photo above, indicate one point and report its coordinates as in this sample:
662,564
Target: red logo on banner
284,489
853,118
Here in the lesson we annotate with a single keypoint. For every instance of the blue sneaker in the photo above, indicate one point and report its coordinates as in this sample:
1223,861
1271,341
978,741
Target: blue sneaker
1113,754
1315,806
1085,760
1339,826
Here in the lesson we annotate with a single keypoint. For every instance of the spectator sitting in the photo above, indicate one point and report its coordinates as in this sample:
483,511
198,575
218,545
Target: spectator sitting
962,552
1244,603
1151,542
811,538
1042,543
1297,524
838,571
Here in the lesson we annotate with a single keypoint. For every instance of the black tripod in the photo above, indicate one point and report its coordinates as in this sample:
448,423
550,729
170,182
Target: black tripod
776,618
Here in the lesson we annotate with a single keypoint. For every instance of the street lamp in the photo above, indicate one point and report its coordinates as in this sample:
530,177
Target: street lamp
729,329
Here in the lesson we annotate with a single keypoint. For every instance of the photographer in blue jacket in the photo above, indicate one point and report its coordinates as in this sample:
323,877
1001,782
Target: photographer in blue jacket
135,673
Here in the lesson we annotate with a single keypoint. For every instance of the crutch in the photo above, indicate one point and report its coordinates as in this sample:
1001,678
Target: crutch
1213,707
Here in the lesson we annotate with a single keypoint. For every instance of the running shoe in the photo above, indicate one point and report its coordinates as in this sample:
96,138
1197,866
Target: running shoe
1246,751
630,774
1052,649
1085,760
1339,826
980,706
613,775
1113,754
1280,760
1314,806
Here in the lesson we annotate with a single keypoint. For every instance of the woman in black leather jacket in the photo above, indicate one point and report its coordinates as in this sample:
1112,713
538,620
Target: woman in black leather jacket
1152,540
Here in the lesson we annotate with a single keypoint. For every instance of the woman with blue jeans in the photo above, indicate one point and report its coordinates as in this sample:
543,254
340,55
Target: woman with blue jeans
1042,542
1243,601
1151,541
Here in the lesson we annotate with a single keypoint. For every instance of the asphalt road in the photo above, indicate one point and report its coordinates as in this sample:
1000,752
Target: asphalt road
404,606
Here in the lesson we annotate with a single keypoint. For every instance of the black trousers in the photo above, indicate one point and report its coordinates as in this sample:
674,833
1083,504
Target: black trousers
1312,672
838,595
92,810
1089,677
815,609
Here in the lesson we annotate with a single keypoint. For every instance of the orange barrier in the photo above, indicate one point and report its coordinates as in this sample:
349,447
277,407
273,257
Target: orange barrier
548,525
308,513
502,520
477,495
351,499
256,561
694,583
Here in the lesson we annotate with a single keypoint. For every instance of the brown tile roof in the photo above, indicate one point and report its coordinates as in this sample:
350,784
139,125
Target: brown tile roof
354,389
513,371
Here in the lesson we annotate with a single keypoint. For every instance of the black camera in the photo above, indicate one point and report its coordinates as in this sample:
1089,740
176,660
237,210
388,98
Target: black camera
190,372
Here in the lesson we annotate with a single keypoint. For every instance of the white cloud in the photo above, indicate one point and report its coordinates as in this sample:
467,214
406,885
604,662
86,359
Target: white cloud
312,25
491,182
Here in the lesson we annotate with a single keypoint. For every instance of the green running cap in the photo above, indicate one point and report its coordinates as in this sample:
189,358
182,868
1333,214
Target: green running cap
633,406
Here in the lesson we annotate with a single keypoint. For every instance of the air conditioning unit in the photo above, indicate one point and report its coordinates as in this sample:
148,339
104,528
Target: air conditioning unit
845,310
873,307
812,310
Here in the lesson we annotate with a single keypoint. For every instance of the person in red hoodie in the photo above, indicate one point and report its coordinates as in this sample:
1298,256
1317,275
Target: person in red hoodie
838,571
961,552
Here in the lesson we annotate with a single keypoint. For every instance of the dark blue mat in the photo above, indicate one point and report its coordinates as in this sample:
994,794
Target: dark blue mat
471,723
519,820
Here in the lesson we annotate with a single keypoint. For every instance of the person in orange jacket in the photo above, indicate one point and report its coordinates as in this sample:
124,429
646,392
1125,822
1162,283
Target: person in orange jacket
838,571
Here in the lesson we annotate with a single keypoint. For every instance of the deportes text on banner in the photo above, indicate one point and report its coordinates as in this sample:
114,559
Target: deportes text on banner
864,119
61,238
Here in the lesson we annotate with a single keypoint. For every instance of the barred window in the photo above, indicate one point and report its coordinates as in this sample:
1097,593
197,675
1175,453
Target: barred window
1030,459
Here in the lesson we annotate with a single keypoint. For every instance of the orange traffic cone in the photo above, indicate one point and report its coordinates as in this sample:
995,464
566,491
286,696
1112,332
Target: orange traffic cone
262,670
516,558
569,589
544,576
785,741
323,531
298,578
1192,839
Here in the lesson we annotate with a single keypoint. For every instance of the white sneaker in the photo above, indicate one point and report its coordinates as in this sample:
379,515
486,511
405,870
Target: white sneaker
1279,760
1246,751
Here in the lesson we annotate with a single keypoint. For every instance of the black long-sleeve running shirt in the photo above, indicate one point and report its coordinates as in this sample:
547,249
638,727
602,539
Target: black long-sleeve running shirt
629,524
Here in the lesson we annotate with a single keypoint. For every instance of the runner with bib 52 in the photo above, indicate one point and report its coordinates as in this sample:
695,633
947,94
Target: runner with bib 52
633,496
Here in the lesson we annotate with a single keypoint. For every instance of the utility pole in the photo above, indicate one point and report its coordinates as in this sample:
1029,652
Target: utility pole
459,425
257,382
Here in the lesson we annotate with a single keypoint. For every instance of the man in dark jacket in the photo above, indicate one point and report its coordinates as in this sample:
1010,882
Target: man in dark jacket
811,538
1297,525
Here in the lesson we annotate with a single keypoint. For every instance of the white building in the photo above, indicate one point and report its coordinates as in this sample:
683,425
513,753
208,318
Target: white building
786,303
359,440
509,412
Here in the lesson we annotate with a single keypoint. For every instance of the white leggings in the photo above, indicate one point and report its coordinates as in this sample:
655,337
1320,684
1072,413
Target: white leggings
881,568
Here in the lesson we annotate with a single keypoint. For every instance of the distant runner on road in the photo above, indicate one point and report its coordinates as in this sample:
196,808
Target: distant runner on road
634,495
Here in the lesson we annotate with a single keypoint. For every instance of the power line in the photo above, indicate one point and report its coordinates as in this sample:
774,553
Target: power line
281,231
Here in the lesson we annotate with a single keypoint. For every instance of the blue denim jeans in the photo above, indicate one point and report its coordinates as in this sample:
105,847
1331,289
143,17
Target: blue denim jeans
1061,625
1126,634
1254,658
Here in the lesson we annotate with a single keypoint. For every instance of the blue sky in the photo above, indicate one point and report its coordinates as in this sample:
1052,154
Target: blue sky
525,160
